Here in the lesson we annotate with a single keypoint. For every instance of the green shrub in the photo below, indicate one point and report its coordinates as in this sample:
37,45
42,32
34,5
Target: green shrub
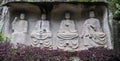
3,38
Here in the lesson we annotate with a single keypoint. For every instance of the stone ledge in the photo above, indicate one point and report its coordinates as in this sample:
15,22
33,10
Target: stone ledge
32,1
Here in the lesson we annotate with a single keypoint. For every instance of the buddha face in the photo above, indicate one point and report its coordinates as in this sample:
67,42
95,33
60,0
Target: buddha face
91,14
67,15
43,17
22,16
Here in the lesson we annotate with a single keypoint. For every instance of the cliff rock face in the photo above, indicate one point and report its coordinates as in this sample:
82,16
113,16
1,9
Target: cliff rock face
1,10
6,1
70,26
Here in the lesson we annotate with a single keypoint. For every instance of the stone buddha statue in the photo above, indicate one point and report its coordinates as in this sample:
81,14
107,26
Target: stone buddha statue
41,34
92,34
19,28
67,33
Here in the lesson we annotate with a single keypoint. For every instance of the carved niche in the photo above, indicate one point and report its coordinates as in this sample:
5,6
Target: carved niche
67,34
19,28
92,34
41,34
73,28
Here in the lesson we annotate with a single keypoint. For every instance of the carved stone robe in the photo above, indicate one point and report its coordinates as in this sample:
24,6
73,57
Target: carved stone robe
41,34
67,35
20,32
92,34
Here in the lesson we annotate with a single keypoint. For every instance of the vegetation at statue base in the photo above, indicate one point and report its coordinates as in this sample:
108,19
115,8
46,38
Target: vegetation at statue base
29,53
4,38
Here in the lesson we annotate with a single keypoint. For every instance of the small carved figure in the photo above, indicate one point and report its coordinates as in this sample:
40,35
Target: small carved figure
19,28
92,34
67,34
41,34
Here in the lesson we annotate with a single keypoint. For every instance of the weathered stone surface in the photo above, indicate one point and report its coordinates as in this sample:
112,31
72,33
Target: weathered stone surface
64,26
19,28
53,1
92,34
41,33
67,34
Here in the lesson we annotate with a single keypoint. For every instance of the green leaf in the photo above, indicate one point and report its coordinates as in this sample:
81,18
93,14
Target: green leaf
117,12
117,6
118,22
4,37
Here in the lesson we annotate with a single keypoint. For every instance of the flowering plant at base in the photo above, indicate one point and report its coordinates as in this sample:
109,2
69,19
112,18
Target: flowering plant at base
29,53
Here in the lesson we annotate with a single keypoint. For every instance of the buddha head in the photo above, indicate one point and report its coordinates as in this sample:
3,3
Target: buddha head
43,16
67,15
22,16
91,14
